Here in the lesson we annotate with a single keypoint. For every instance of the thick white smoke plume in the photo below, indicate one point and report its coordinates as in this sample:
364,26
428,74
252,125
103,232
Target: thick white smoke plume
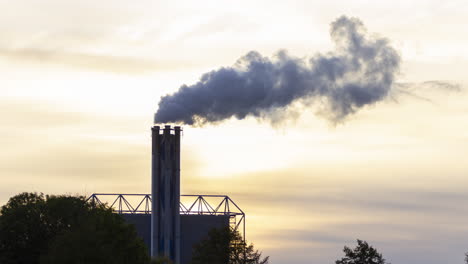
359,72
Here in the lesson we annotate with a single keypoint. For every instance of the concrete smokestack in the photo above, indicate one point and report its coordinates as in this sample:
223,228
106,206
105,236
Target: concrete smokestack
165,193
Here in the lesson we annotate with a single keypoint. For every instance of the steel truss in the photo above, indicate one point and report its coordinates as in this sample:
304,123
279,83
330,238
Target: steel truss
189,205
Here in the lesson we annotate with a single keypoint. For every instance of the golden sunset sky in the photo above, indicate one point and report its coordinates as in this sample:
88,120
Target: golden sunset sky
81,80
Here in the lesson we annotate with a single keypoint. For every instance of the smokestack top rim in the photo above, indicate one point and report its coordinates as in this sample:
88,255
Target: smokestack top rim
170,127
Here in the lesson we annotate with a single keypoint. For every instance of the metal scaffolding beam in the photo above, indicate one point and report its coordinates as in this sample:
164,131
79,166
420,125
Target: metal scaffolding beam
196,205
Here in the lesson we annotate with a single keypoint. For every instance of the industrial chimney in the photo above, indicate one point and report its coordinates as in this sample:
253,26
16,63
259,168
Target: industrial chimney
171,229
165,193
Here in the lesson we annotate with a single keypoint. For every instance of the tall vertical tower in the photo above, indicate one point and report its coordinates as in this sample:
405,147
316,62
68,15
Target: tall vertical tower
165,193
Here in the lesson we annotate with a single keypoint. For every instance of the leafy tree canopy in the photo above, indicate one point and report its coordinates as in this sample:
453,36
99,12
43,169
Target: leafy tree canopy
43,229
362,254
224,246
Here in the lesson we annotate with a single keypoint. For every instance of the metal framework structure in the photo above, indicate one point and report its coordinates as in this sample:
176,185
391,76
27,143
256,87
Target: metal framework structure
189,205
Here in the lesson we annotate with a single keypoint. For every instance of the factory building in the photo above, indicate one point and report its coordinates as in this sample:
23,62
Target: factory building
170,226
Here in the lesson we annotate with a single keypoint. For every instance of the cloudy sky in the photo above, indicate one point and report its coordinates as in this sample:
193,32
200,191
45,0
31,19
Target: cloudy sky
80,82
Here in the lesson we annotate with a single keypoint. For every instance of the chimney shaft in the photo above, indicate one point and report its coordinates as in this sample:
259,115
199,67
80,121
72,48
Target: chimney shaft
165,193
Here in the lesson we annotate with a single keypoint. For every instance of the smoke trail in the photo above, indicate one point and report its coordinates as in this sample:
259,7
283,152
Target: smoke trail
359,72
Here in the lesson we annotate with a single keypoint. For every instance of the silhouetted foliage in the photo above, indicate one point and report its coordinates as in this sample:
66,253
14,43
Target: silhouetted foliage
224,246
63,229
362,254
161,260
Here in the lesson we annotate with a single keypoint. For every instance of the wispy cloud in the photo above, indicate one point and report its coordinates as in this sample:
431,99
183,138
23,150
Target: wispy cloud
90,61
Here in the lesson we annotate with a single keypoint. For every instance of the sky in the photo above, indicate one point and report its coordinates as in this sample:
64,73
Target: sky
80,82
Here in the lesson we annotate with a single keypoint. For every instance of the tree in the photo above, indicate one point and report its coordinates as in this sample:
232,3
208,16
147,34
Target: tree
64,229
362,254
161,260
224,246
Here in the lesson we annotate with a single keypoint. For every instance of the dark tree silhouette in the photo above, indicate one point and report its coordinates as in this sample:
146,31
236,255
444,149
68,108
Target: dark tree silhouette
35,228
224,246
362,254
161,260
